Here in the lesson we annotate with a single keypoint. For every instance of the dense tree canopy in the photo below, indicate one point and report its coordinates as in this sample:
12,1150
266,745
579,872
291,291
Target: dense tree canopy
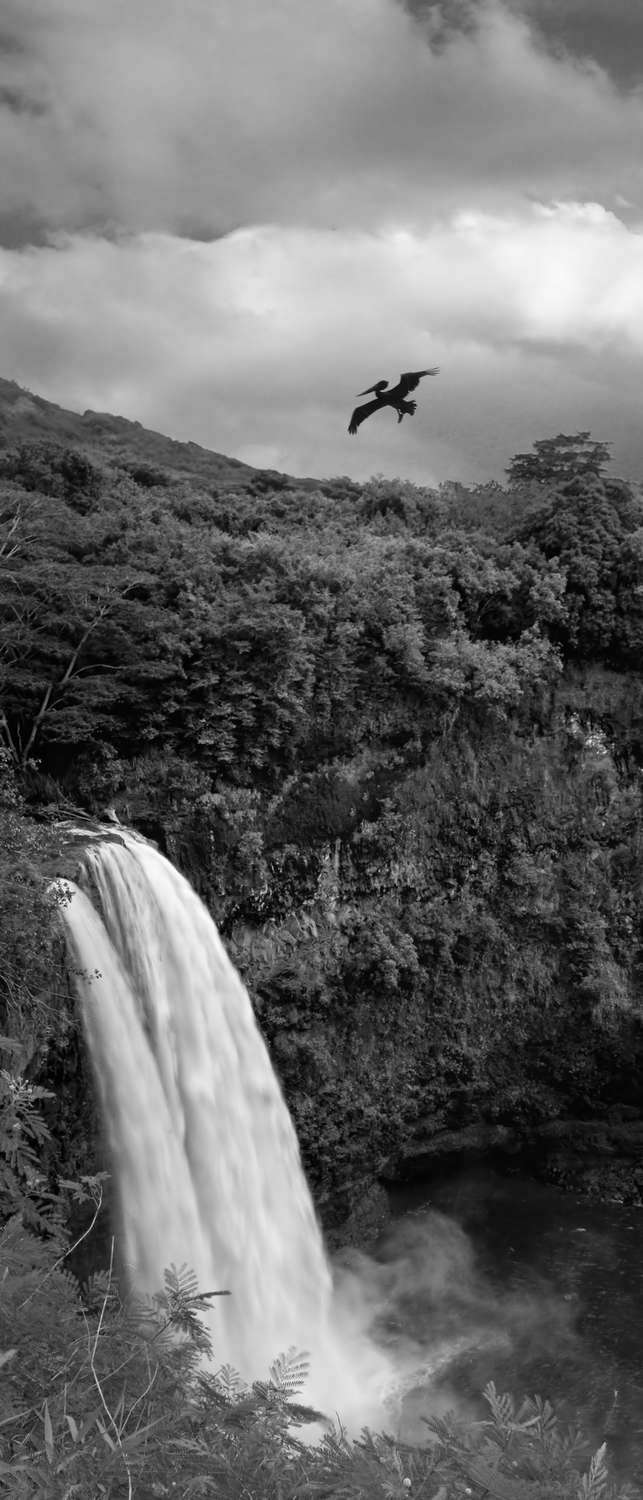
559,459
246,635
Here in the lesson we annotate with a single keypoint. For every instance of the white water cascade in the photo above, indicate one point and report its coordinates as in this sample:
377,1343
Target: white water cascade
204,1153
205,1156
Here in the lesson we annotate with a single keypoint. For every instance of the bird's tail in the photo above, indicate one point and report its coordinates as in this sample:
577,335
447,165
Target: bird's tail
352,427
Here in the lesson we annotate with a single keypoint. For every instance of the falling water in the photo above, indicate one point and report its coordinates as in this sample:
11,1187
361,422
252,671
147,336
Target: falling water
207,1167
205,1154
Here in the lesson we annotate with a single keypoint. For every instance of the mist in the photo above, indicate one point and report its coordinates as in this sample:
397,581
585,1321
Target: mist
425,1326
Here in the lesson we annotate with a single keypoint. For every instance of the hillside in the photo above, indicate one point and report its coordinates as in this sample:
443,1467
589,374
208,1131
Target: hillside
26,417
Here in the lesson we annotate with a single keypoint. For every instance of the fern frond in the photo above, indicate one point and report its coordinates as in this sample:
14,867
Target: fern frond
229,1383
370,1445
304,1414
289,1372
335,1445
594,1484
571,1444
181,1282
86,1189
504,1486
268,1393
98,1288
537,1415
20,1251
247,1407
176,1308
444,1426
502,1408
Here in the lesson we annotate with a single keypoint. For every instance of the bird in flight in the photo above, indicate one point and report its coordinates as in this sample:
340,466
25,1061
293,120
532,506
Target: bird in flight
395,398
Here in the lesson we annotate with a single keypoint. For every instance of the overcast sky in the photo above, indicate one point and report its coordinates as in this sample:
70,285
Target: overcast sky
223,218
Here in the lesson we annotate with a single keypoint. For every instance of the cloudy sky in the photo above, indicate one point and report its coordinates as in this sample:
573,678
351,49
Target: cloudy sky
223,218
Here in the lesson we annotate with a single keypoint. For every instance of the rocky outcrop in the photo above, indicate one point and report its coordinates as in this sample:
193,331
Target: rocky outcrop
602,1160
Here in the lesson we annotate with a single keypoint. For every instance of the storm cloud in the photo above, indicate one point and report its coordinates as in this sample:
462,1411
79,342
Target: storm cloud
201,118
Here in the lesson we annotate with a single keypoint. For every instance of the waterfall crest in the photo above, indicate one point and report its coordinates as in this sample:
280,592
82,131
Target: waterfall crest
206,1159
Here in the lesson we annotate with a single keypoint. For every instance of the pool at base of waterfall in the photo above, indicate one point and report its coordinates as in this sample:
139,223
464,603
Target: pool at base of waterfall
519,1283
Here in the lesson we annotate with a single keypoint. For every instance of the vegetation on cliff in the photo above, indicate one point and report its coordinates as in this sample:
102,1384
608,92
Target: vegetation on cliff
394,737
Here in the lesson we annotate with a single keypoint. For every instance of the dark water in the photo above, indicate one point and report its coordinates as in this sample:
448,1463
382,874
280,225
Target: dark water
549,1289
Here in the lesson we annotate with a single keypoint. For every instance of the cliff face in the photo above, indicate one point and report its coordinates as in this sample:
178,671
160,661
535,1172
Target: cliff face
425,996
466,961
393,737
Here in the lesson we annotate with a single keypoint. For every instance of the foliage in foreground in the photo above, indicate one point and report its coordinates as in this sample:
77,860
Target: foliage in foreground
106,1395
100,1399
97,1402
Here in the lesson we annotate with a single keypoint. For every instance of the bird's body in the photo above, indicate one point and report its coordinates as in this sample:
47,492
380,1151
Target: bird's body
396,398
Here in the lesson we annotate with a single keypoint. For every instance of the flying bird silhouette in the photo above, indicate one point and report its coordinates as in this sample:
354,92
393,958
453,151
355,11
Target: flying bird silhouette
395,398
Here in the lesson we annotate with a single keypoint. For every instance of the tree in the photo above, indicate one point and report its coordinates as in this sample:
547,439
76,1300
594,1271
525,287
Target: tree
590,530
559,459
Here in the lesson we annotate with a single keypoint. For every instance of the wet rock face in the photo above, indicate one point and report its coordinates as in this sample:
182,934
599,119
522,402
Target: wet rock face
601,1160
599,1183
603,1163
364,1221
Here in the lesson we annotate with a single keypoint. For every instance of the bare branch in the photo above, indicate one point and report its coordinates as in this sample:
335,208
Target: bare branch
92,1364
54,689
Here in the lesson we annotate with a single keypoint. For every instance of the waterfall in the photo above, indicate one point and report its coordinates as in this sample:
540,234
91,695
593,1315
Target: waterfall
204,1153
205,1156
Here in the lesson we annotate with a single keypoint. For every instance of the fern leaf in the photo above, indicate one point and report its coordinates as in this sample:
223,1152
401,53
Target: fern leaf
99,1288
504,1486
304,1414
444,1426
87,1189
502,1407
228,1381
594,1484
572,1444
289,1372
181,1283
246,1406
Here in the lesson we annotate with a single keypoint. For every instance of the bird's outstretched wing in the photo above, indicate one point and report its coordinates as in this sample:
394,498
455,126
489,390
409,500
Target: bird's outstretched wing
361,413
412,379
